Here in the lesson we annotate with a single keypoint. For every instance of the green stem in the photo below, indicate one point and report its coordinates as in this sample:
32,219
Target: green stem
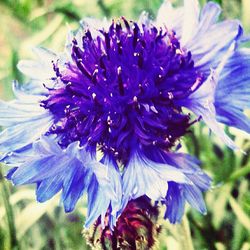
104,8
239,173
245,14
184,235
9,212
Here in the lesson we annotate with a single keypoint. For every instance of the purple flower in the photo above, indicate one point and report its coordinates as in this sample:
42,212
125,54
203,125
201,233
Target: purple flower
119,89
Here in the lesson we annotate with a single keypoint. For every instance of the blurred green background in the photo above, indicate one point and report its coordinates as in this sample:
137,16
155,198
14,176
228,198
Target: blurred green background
25,224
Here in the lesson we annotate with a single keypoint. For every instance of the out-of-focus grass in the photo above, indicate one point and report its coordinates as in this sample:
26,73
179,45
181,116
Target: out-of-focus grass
24,224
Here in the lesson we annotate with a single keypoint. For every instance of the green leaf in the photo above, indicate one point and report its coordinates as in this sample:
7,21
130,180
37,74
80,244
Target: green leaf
239,173
30,215
240,214
246,14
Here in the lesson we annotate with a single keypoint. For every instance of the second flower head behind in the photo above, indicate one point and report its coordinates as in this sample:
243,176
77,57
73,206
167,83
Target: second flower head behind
120,88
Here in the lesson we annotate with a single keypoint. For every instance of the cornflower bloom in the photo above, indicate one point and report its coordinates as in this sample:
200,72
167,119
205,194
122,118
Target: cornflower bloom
123,88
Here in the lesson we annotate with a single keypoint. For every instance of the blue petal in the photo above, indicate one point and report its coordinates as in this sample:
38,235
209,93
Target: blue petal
37,169
232,115
36,87
233,91
92,199
190,20
45,160
104,190
42,68
44,54
73,170
115,181
194,173
18,157
179,193
15,112
47,146
209,48
194,197
36,70
47,188
20,135
145,177
19,116
209,16
201,103
24,97
201,181
74,185
48,159
97,203
175,203
11,172
171,17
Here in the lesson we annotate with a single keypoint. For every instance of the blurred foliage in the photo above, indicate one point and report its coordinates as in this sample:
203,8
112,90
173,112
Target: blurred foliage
25,224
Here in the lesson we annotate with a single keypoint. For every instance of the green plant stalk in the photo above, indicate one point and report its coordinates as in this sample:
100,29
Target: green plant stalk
239,173
240,214
246,14
9,212
184,235
104,8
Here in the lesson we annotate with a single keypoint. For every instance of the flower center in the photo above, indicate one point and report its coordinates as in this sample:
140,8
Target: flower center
118,90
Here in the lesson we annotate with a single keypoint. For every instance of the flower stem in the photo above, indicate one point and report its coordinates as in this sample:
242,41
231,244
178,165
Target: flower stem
245,14
10,216
184,235
104,8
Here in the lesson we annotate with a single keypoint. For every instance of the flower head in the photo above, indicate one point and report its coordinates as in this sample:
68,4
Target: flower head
117,90
121,89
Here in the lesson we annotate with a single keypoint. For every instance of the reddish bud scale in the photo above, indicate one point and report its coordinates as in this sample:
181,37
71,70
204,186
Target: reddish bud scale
136,228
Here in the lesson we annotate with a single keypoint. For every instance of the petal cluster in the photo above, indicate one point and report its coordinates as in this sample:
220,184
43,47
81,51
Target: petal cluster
118,90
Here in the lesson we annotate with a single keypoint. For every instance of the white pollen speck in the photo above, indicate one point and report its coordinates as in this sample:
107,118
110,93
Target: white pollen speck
146,106
178,51
119,70
135,99
154,109
109,121
170,95
196,84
